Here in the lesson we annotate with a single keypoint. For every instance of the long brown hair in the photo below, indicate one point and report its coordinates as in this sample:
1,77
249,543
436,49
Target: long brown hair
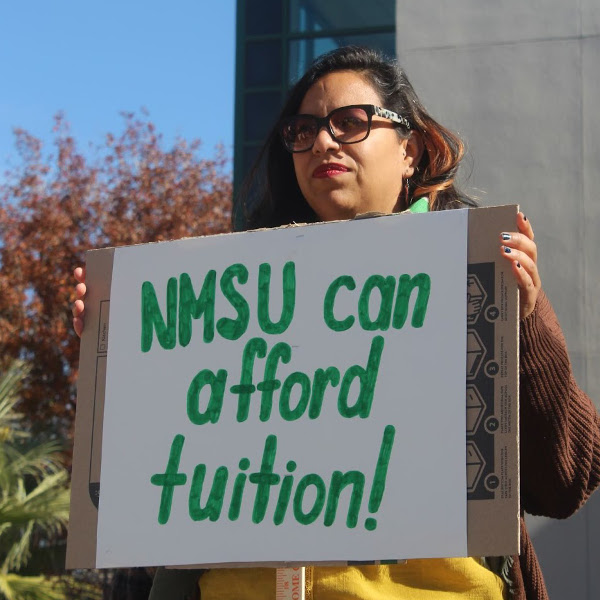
270,196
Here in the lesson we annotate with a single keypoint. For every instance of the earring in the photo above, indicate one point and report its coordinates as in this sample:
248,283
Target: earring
407,193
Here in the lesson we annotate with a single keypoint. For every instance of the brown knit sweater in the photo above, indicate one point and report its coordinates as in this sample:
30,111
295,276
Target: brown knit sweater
560,439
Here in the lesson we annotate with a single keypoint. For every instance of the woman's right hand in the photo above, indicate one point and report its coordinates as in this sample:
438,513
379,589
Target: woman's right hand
78,305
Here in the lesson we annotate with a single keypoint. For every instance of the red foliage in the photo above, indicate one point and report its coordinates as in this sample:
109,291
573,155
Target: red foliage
53,209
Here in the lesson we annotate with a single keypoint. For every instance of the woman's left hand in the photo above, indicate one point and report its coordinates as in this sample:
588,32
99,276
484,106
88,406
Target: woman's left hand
519,248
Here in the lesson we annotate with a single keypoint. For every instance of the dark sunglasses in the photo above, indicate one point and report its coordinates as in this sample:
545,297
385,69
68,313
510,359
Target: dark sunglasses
346,125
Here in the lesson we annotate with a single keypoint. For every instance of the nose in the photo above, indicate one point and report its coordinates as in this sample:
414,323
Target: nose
324,141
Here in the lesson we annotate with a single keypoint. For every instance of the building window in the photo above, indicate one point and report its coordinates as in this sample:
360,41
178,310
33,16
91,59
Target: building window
303,51
262,17
331,15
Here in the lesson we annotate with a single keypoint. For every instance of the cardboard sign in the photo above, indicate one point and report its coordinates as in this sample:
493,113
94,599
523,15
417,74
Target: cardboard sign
303,387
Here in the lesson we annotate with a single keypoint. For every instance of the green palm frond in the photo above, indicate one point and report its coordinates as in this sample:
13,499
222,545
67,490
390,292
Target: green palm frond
17,587
34,501
45,508
10,384
37,461
48,501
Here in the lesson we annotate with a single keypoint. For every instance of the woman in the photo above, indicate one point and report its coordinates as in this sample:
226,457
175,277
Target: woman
353,138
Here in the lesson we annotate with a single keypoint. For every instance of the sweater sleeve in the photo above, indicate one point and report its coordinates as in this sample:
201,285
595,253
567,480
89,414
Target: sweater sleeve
560,426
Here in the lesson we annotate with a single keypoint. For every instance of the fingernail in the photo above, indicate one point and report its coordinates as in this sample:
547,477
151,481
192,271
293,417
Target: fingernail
518,265
507,250
506,236
524,218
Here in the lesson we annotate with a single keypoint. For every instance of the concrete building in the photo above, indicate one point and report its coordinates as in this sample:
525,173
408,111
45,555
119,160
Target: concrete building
520,83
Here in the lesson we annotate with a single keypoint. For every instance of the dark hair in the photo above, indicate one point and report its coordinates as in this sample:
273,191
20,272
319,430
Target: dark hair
270,196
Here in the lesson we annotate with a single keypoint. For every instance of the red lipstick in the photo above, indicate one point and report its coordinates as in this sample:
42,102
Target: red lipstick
329,170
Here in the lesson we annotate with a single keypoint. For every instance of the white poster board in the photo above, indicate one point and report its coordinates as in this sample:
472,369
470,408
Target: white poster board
323,423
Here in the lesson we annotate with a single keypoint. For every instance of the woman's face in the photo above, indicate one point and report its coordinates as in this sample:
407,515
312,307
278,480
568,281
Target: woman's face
340,181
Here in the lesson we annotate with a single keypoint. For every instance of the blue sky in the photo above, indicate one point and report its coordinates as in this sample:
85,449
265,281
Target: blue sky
93,60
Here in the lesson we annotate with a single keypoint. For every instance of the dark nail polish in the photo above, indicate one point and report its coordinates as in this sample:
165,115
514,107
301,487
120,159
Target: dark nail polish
507,250
506,237
518,265
524,218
